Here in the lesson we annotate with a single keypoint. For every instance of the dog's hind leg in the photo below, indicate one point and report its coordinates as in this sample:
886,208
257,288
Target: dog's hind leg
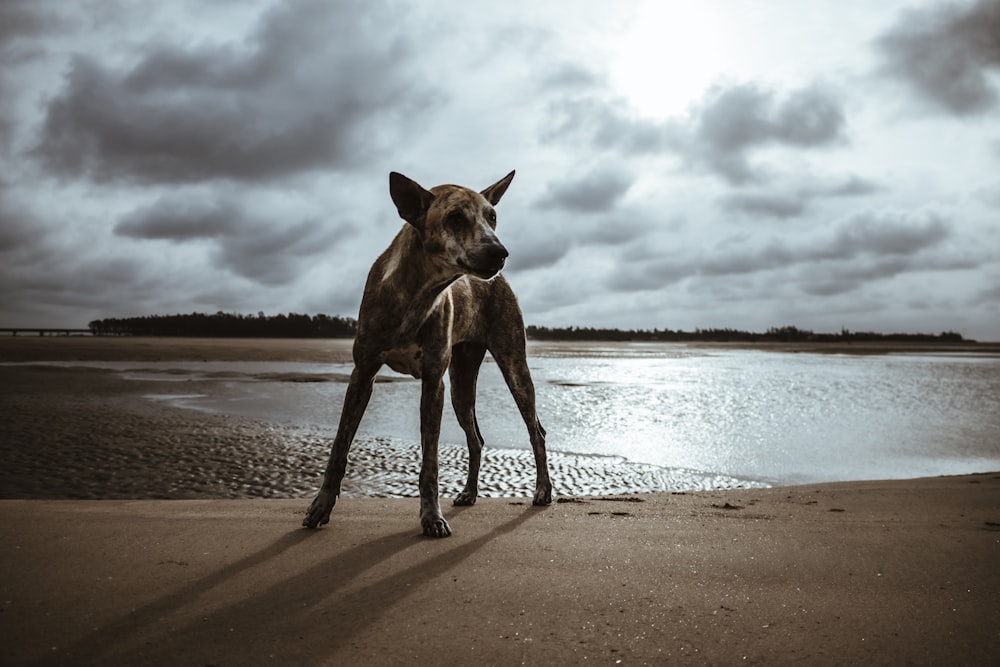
466,358
513,363
359,391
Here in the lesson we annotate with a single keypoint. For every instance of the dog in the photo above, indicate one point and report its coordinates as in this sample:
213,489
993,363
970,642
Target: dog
434,301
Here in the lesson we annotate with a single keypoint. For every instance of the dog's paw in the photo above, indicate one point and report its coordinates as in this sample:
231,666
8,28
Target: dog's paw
465,498
543,495
434,525
318,513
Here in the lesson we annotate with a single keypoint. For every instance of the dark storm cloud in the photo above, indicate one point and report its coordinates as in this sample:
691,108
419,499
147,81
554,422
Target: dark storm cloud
720,131
18,20
180,219
23,18
615,230
854,186
948,55
794,203
651,274
305,90
597,191
40,268
766,205
866,246
538,253
268,251
18,232
734,120
847,277
884,234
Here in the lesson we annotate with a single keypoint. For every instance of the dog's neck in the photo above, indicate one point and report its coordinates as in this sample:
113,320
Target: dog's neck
406,278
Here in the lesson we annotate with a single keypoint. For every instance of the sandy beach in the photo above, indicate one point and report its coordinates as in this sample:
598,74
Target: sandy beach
883,573
900,572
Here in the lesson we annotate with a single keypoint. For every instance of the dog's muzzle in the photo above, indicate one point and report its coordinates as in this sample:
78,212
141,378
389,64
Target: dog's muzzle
488,261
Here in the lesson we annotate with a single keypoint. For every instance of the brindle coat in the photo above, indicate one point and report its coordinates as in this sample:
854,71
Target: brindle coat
435,301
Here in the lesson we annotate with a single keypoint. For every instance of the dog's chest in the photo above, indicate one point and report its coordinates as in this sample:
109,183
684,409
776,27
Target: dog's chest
406,360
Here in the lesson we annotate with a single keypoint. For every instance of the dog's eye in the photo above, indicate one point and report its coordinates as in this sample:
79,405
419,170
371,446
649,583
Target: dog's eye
491,215
455,220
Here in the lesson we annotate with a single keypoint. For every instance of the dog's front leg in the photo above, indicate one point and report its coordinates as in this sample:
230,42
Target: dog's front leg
431,404
359,391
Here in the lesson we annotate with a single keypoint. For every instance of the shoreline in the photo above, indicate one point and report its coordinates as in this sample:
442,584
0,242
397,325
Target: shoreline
880,573
79,433
22,349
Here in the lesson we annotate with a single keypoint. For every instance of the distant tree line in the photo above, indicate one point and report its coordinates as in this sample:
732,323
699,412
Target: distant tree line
294,325
787,334
228,325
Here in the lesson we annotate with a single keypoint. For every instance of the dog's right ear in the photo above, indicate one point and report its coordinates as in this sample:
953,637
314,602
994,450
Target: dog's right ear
411,200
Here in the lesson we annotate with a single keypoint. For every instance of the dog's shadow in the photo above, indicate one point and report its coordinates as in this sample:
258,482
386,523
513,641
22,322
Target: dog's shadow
293,617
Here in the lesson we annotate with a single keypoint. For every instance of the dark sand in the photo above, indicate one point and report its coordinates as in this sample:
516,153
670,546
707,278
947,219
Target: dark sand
901,572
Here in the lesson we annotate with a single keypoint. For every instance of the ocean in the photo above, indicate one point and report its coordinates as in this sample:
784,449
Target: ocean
774,418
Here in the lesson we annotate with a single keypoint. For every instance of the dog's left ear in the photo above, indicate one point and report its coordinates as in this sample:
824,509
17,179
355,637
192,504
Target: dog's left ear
411,200
495,191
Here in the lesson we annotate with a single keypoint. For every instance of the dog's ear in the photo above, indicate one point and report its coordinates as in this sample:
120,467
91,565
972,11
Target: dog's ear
411,200
495,191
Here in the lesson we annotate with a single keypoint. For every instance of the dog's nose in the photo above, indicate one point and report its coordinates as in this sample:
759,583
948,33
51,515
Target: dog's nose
496,252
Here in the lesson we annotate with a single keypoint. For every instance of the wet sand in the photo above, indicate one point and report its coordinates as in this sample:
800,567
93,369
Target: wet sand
900,572
79,432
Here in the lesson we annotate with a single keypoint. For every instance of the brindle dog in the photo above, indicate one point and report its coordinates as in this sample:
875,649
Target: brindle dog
435,301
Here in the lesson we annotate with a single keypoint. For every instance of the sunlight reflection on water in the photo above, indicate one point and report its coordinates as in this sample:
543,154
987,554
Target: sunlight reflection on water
775,417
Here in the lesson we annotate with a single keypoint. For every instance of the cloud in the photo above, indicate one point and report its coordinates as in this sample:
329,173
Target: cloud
883,233
180,219
732,121
18,231
853,186
18,21
766,205
245,244
597,191
847,277
720,131
989,194
864,246
795,202
569,76
947,55
605,125
252,109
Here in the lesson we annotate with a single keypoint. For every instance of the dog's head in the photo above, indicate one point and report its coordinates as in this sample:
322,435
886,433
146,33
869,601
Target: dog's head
457,225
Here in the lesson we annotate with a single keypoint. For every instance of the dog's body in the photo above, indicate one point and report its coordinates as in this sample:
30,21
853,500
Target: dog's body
435,301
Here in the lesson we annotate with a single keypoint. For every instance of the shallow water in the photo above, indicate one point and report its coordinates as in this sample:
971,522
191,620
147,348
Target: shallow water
777,418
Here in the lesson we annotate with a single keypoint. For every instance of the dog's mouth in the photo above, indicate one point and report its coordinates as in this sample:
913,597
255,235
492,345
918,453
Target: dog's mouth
483,261
484,270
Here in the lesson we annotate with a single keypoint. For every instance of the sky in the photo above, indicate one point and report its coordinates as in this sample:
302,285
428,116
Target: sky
738,164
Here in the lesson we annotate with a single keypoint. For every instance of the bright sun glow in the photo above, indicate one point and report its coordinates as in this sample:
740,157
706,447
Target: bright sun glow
669,56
